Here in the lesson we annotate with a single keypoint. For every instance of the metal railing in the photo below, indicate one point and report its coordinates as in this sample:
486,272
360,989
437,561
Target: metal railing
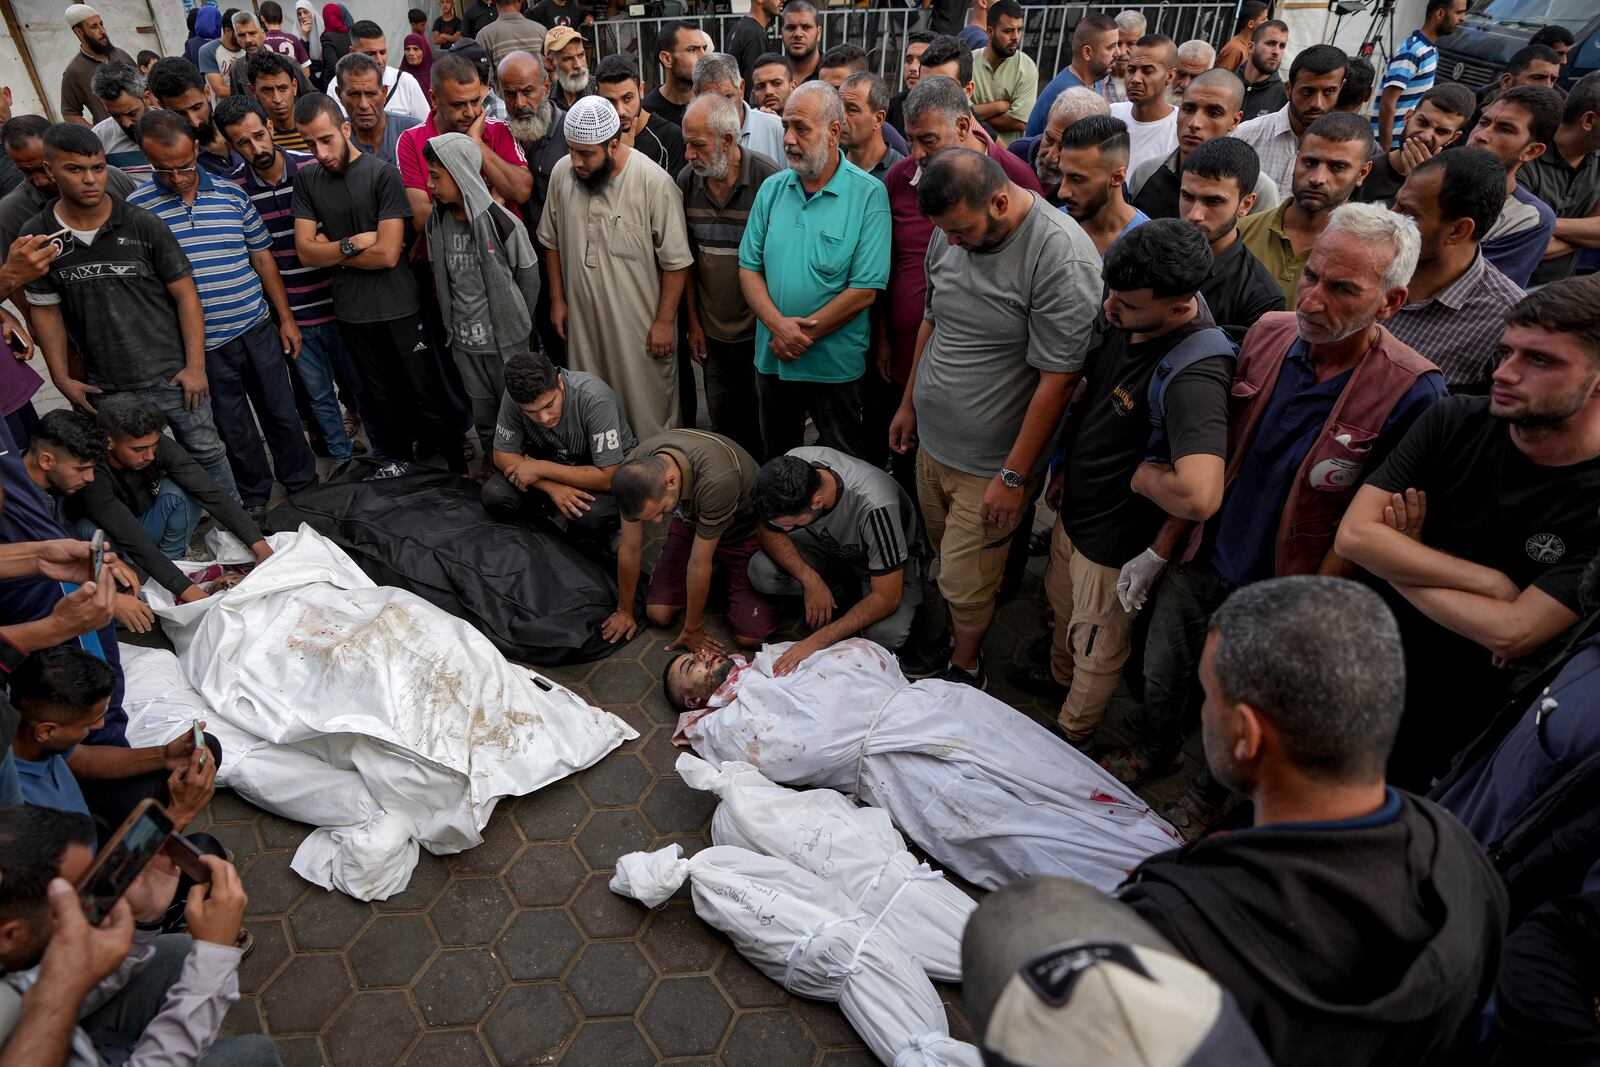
881,31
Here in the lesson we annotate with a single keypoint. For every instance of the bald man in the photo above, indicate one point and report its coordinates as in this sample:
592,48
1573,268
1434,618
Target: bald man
1213,104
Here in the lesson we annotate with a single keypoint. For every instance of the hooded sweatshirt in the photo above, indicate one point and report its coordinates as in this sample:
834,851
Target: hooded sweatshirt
510,267
207,27
1372,942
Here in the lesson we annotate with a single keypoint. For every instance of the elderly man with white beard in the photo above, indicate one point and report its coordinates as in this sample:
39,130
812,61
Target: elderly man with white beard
535,122
569,66
815,255
719,187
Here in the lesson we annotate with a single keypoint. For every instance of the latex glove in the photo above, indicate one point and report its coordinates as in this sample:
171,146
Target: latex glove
1137,578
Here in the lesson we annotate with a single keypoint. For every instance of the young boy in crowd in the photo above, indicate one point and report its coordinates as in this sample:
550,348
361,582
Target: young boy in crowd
486,274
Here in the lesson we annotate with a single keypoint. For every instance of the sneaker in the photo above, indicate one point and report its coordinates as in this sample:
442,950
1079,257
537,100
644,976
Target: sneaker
926,661
393,469
960,675
1037,681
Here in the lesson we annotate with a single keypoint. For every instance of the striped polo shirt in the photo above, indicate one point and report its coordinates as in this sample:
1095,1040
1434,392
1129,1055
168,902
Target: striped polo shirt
218,232
715,231
289,140
1411,71
310,289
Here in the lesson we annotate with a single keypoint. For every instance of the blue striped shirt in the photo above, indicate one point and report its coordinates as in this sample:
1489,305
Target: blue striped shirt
1411,71
309,289
218,232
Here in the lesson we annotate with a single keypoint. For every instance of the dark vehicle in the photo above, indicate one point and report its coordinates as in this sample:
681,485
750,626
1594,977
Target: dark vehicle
1476,53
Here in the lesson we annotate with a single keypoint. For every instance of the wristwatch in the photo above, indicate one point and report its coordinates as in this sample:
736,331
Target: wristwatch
347,247
1010,478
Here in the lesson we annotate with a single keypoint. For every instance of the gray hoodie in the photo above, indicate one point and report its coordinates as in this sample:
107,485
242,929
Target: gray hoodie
510,265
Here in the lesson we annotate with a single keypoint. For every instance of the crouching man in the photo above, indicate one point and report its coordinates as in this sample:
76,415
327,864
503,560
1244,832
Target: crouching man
838,532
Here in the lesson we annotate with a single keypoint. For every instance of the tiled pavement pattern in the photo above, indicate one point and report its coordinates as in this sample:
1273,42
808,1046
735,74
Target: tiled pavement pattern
516,952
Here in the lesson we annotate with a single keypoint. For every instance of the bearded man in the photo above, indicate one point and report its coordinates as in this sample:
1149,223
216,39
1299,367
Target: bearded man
535,122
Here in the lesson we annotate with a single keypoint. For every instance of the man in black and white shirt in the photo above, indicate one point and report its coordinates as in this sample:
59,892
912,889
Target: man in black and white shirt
837,531
559,437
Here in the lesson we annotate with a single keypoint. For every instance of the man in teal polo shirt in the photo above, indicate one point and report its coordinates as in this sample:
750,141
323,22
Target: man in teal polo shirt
814,255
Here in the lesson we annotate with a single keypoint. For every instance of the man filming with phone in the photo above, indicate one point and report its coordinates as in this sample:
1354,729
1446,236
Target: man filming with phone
162,1000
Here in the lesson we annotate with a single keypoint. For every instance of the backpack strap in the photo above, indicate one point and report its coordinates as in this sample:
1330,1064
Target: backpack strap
1208,343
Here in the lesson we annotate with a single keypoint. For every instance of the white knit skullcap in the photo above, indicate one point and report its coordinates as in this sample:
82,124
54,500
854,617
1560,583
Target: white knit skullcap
79,13
592,120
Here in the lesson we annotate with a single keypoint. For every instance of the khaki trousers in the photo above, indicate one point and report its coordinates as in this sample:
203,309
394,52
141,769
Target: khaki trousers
1091,641
972,553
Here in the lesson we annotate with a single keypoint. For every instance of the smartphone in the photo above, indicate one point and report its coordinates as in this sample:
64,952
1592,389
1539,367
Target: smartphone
62,239
187,858
200,744
18,345
97,552
131,848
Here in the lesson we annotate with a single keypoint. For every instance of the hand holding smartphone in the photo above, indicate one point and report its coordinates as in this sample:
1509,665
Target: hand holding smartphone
145,833
97,553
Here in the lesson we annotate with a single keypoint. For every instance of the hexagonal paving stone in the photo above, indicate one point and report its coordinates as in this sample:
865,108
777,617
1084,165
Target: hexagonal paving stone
271,952
617,681
272,886
657,709
673,808
242,1017
228,806
501,842
392,950
660,753
239,838
452,1048
826,1022
748,987
610,978
427,878
306,994
603,913
372,1031
678,940
610,834
327,919
278,832
458,987
686,1016
539,943
615,1043
637,719
300,1051
618,780
529,1025
471,911
554,813
855,1057
545,874
769,1039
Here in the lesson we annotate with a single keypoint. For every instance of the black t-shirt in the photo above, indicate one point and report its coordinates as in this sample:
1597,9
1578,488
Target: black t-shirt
1381,183
896,115
1488,503
1110,428
947,16
657,104
1239,290
747,41
1267,95
661,141
550,14
368,192
444,25
1158,196
477,16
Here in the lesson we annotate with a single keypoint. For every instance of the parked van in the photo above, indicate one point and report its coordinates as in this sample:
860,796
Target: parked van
1495,29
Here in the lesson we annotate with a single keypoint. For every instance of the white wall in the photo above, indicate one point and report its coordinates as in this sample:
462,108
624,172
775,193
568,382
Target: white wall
1311,23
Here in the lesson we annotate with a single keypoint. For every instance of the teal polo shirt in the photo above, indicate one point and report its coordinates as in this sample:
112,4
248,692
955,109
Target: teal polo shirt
811,250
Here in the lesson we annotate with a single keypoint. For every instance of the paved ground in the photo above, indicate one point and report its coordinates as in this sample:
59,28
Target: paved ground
517,952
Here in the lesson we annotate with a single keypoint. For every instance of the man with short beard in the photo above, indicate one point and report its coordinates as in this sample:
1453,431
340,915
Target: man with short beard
771,83
1005,80
1335,155
801,37
681,46
564,52
1264,91
1094,46
121,88
718,72
1482,522
1320,395
615,284
1043,152
94,48
1152,121
719,188
810,266
178,86
1210,109
252,37
373,129
747,41
1315,78
653,136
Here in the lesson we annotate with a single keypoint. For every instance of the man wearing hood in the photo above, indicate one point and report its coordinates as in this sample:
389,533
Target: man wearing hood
1353,922
486,274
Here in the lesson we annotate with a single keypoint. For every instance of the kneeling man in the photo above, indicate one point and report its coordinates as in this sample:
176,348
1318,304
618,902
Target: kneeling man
837,530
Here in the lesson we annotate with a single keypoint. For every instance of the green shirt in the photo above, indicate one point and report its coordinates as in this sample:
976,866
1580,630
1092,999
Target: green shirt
811,250
1263,235
1016,79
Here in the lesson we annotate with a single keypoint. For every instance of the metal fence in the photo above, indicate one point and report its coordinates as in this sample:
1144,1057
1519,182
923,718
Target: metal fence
881,31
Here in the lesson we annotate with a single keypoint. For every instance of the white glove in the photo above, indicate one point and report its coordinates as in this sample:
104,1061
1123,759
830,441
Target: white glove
1137,578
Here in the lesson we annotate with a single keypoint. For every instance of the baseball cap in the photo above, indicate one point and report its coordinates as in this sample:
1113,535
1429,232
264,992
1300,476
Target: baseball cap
559,38
1051,964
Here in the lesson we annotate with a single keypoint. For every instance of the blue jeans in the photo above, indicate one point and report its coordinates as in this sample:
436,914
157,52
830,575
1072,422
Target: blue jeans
170,522
247,372
195,431
322,354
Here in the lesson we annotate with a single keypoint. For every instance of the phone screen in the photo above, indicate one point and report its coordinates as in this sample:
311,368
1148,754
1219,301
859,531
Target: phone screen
124,856
97,550
200,744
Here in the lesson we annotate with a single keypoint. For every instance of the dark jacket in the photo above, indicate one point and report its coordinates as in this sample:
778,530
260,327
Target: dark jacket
1363,944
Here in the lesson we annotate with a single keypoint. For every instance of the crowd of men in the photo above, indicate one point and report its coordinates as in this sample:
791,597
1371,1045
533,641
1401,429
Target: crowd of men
1228,327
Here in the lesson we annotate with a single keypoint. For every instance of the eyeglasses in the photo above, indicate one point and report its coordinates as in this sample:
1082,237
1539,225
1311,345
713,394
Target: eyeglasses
193,168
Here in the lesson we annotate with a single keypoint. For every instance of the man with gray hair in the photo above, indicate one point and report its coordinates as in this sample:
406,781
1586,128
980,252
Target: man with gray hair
1327,391
1043,151
1303,678
759,131
374,129
535,122
1131,26
719,187
252,38
813,258
1194,59
120,87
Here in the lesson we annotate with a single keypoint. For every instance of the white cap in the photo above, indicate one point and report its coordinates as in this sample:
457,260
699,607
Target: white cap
592,120
80,13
